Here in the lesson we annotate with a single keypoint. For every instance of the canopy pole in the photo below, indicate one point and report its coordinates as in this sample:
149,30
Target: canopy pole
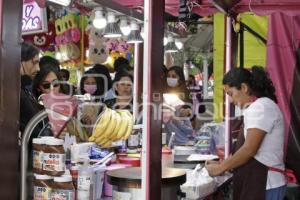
228,64
152,88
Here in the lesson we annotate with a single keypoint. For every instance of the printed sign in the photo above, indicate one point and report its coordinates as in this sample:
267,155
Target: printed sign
34,19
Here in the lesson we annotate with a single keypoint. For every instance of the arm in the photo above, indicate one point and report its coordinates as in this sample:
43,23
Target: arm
243,155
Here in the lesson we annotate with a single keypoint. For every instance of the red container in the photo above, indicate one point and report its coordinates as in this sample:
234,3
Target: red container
134,162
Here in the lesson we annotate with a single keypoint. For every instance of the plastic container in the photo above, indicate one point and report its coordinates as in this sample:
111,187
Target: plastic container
54,157
42,187
203,144
133,162
37,155
84,181
108,188
63,188
167,158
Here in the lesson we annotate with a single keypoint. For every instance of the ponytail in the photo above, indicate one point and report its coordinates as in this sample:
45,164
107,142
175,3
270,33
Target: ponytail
261,85
257,79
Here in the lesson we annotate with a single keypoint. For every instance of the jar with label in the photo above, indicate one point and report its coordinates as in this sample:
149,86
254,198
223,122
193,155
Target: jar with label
37,155
42,187
133,141
54,157
63,188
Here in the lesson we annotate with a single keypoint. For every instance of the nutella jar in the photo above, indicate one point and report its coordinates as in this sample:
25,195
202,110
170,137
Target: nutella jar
63,188
54,157
42,187
37,155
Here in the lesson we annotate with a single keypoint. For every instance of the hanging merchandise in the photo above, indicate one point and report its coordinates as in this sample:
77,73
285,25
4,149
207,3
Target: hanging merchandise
67,36
44,41
98,52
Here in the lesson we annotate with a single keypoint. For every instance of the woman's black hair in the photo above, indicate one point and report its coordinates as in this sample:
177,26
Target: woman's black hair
102,70
179,71
119,62
122,74
40,77
28,51
48,61
99,82
257,79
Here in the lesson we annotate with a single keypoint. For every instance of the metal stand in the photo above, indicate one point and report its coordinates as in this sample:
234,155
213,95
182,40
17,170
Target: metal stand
24,149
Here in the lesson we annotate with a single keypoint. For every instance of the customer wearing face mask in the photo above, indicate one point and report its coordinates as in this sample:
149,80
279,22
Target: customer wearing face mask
179,121
176,84
28,69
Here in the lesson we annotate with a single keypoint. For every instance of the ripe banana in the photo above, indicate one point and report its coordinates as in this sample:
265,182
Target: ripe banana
123,125
101,124
130,125
111,125
118,120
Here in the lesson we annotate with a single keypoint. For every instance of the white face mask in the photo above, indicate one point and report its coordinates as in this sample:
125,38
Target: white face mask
172,82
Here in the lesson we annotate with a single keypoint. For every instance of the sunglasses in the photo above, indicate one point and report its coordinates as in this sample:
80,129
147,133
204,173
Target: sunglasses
48,85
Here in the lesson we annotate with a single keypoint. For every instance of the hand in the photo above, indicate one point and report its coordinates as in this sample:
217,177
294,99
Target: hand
214,169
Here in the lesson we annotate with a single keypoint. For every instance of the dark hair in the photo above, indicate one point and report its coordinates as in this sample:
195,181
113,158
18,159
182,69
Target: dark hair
102,70
64,74
257,79
122,74
99,82
49,62
28,51
120,62
40,77
179,71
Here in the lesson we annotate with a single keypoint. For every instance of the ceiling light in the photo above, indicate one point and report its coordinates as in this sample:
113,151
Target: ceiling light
134,36
171,47
99,21
112,30
125,27
178,43
61,2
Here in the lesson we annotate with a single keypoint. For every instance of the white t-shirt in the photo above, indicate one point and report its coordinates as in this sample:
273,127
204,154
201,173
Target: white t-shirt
264,114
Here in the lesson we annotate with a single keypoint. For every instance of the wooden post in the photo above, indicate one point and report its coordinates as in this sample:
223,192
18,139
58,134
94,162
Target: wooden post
10,54
152,90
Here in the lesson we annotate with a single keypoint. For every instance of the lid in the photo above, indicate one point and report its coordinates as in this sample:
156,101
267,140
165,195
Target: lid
54,141
166,151
63,179
38,141
42,177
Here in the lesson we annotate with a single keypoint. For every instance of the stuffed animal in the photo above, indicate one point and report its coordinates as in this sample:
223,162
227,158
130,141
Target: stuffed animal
98,52
42,40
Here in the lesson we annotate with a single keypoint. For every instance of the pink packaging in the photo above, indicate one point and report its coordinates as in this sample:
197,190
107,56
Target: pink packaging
108,187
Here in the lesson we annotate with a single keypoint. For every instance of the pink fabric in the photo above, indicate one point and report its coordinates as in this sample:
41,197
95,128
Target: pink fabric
283,40
260,7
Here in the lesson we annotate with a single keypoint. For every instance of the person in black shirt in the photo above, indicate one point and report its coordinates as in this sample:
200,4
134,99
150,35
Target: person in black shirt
28,69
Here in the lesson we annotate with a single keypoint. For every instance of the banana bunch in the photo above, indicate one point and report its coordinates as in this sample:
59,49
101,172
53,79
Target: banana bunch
111,126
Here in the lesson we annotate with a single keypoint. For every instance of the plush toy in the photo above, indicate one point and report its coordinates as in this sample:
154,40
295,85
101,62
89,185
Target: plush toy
42,40
98,52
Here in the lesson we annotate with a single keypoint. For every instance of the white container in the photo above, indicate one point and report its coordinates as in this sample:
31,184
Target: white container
167,158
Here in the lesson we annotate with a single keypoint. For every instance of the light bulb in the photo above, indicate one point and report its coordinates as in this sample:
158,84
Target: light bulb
99,21
178,44
58,55
124,26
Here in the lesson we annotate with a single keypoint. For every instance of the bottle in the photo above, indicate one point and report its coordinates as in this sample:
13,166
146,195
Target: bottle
84,181
37,152
133,142
163,135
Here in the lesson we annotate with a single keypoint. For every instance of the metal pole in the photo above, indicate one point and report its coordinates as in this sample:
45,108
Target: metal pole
153,63
227,102
24,154
137,79
205,77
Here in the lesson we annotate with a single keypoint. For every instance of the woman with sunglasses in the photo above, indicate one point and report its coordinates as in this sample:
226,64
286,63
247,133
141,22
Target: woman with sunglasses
46,81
